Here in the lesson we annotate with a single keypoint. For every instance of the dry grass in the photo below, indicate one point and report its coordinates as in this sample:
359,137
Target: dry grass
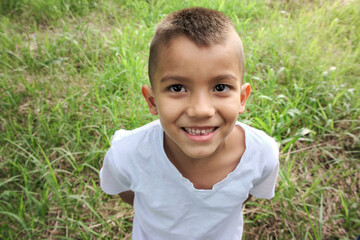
323,192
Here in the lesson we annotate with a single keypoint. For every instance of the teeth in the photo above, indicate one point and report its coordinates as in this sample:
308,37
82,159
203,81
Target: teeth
199,132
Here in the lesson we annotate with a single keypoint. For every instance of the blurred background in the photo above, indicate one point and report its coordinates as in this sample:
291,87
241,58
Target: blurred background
71,74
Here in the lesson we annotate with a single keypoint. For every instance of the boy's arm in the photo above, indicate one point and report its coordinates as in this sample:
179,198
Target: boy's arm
247,199
127,197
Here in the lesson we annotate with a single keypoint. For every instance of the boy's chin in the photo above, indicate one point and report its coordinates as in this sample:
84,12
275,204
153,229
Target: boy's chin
199,153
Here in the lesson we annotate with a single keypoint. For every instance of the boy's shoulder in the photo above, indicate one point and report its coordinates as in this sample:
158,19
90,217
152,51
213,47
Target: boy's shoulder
258,138
138,134
129,146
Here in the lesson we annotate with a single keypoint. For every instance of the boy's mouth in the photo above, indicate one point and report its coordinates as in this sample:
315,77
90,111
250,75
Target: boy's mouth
199,131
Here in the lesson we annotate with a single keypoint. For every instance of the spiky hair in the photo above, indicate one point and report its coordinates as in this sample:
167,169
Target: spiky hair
202,26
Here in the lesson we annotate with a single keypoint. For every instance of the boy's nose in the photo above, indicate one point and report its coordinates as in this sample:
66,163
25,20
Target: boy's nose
200,106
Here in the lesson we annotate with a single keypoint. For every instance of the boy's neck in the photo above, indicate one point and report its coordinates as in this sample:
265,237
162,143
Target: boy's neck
206,172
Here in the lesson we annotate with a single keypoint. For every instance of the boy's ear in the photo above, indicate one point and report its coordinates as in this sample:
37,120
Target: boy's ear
245,93
150,99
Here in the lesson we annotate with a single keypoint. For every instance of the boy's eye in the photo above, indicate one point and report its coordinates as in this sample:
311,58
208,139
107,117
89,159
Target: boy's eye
177,88
221,88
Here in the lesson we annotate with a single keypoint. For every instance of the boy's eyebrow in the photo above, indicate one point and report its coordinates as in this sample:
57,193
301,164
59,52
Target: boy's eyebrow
224,76
172,77
181,78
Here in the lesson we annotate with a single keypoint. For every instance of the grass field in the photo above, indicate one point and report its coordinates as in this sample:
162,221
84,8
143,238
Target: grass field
71,73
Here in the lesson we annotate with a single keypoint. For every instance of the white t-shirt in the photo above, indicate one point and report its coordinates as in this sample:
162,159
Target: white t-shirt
167,206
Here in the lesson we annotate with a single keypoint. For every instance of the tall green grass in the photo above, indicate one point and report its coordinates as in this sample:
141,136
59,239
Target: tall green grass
42,11
71,73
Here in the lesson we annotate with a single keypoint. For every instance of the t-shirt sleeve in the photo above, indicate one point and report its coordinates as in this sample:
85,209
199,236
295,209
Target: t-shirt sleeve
113,180
264,187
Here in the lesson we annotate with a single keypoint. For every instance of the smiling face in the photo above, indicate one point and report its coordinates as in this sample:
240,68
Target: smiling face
198,95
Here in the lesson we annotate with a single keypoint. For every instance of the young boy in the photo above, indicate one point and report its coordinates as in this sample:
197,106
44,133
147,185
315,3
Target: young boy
192,170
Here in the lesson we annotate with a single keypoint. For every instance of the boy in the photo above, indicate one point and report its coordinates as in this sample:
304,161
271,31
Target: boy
192,170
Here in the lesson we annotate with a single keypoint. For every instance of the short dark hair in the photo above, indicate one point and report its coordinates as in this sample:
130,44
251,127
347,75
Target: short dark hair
201,25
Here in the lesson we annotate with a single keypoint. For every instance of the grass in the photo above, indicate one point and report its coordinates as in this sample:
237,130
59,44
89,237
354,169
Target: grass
71,73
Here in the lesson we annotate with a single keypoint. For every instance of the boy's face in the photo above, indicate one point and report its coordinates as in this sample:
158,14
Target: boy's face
198,95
